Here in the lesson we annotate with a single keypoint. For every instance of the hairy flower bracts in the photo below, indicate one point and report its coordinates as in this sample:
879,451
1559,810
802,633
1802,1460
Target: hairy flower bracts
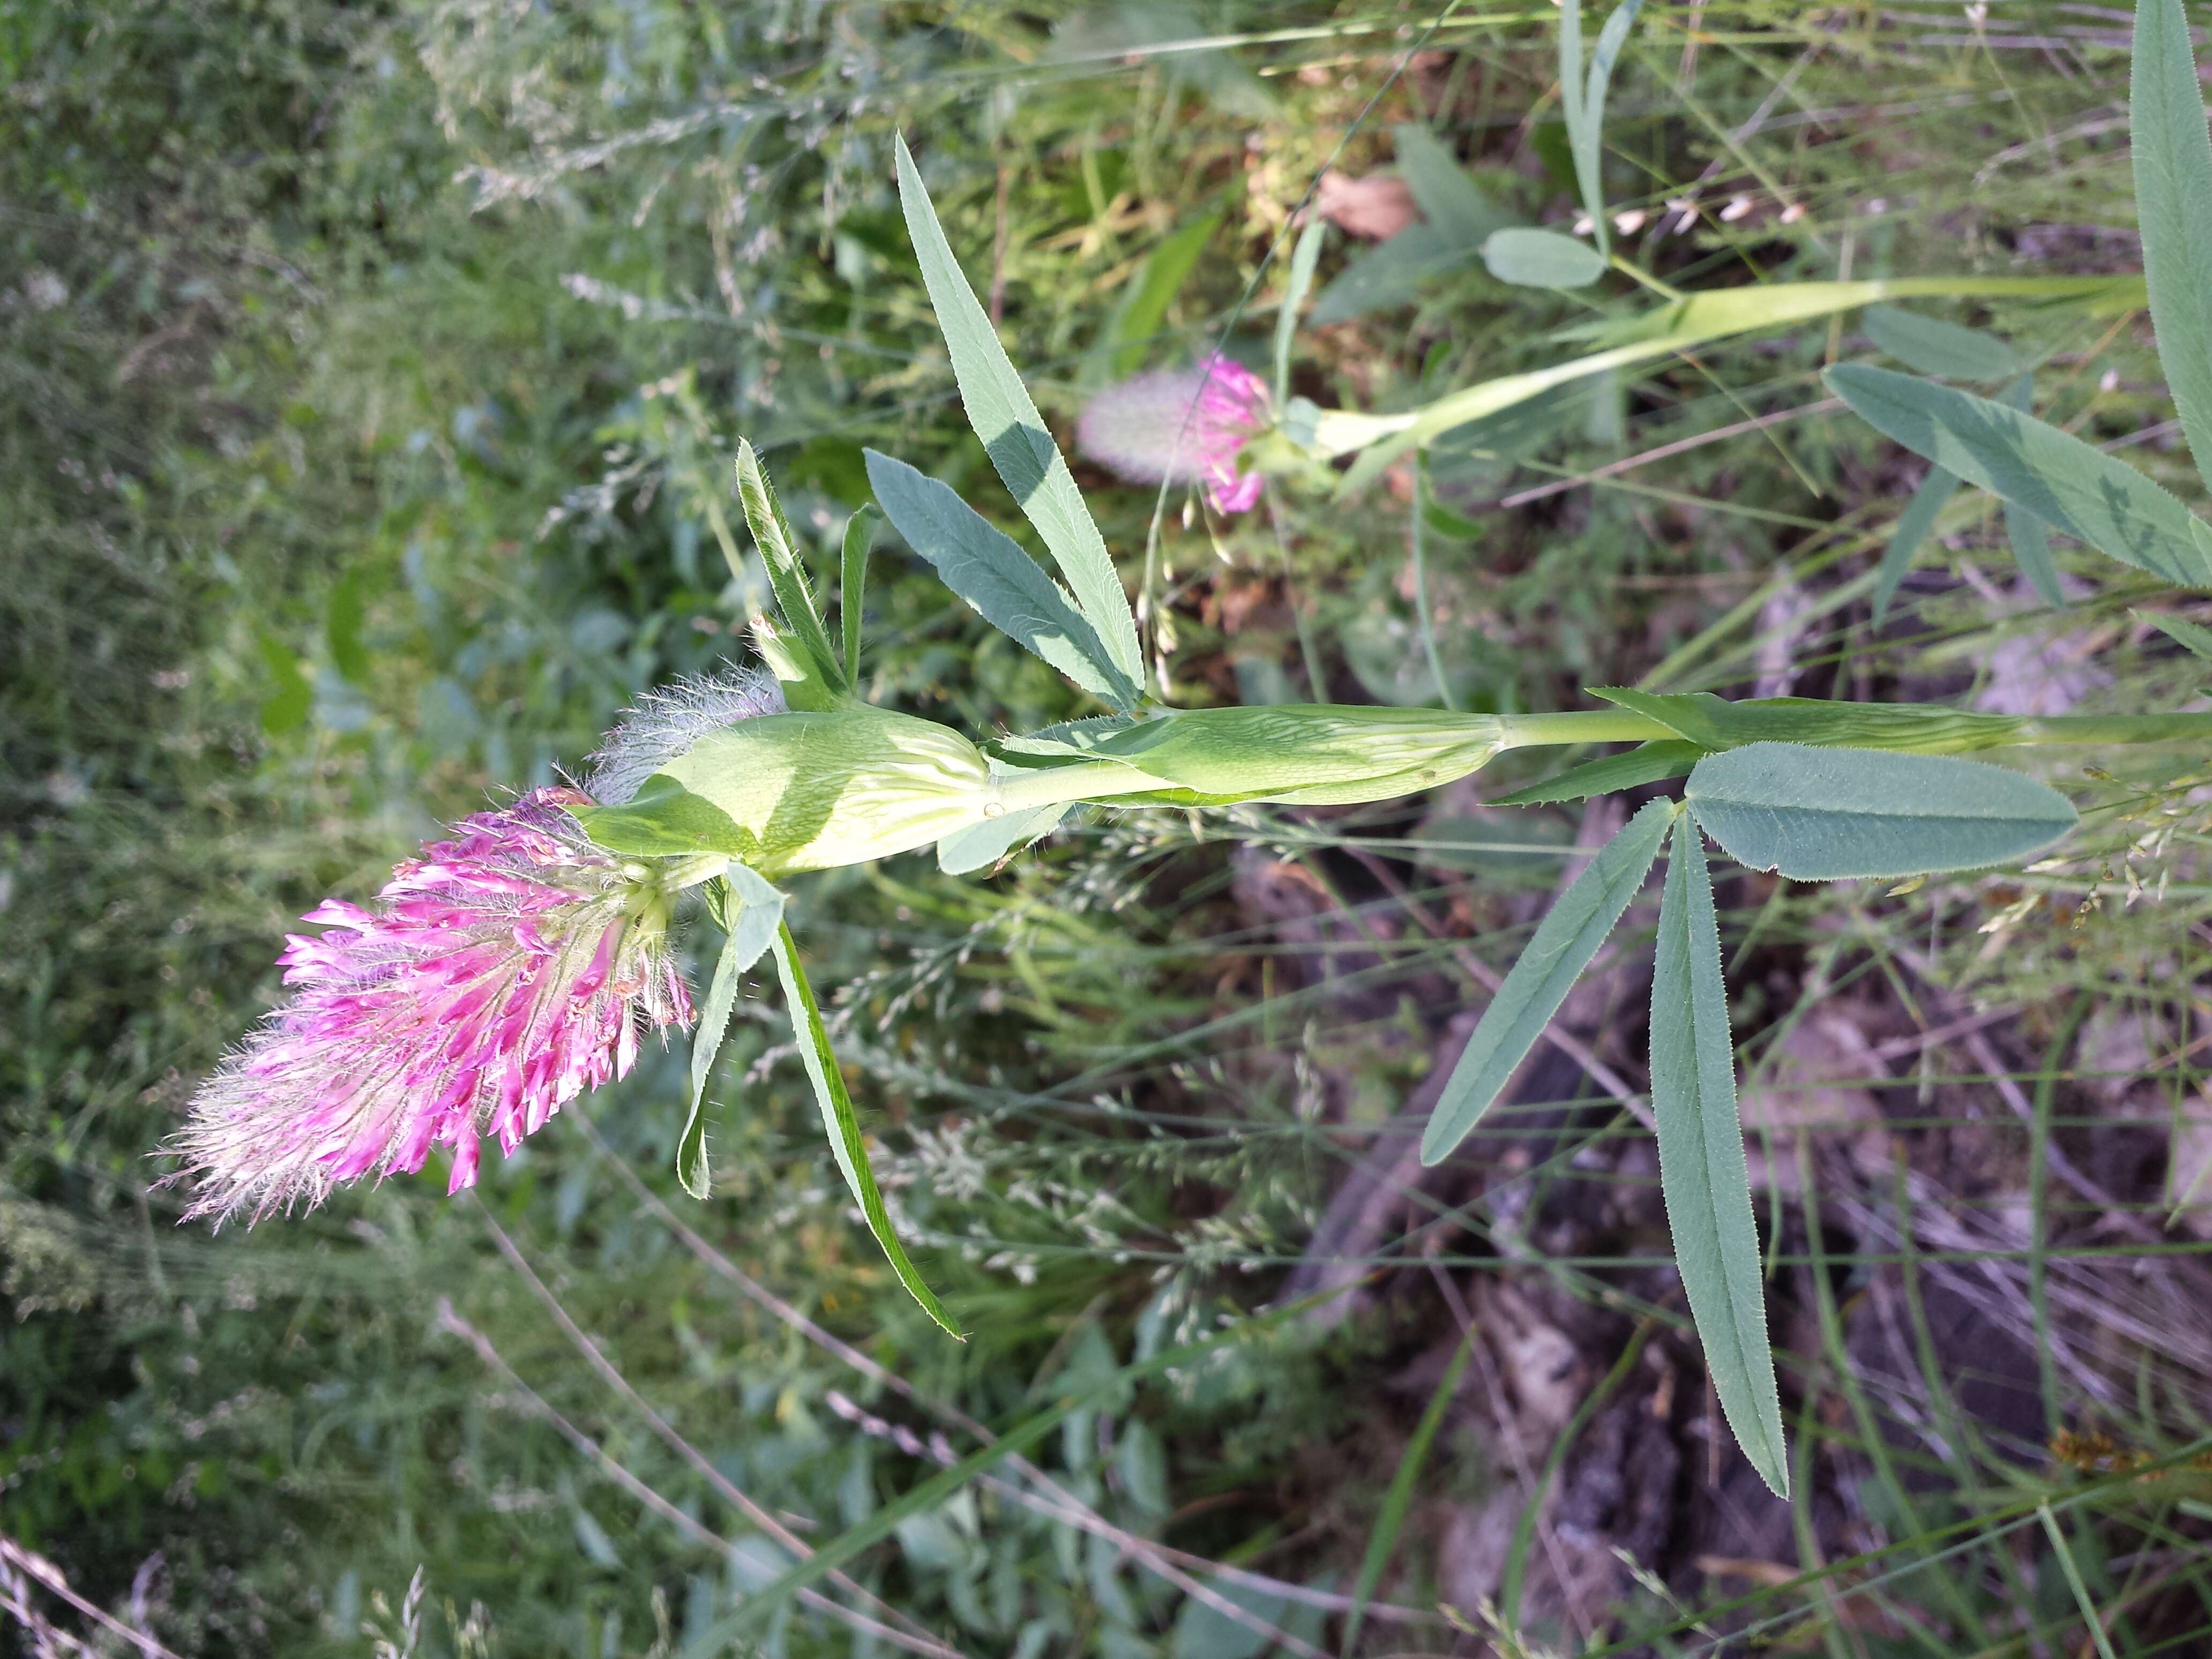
496,977
1182,426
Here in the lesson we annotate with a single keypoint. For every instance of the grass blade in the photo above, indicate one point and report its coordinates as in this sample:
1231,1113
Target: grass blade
1387,1525
1000,409
2069,484
1571,102
2193,637
1589,142
748,933
2083,1600
1913,525
1511,1580
2174,201
843,1124
987,567
1702,1171
1304,258
1563,946
1827,814
1165,274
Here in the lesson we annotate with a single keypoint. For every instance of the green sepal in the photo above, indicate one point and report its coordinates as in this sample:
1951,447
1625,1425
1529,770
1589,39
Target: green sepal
748,930
786,571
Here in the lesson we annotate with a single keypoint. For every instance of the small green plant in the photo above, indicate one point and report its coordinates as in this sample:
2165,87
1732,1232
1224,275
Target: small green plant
730,788
1814,790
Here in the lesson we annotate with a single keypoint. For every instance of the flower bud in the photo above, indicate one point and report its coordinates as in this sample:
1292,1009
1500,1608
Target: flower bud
1303,754
705,771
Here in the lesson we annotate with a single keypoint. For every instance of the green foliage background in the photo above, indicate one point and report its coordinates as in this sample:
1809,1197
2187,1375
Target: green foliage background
368,374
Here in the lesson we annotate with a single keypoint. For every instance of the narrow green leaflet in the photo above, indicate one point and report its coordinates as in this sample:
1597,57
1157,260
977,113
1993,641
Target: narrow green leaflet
1392,273
1702,1172
1165,272
987,567
1538,982
852,586
2030,550
1529,258
786,571
2030,542
1571,100
1712,722
1582,102
2173,204
842,1123
1932,346
1399,1499
1826,814
343,620
2069,484
2192,636
1648,763
1304,258
1000,409
751,912
1913,525
1448,198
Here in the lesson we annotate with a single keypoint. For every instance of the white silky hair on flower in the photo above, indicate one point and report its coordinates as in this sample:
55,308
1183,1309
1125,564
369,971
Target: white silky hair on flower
667,722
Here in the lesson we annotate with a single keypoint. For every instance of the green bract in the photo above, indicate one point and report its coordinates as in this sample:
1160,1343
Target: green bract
808,790
1295,754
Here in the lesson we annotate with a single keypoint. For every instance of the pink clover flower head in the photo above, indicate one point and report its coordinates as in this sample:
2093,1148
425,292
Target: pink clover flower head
496,977
1182,426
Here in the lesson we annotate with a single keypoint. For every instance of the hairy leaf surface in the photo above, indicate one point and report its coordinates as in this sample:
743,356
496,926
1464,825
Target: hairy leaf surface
2173,156
751,912
1702,1171
2069,484
1013,433
1826,814
843,1124
988,569
1538,982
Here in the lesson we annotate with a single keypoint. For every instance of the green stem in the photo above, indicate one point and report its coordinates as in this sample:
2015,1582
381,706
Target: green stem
2116,728
1061,786
1664,332
1628,268
1941,732
1422,614
1580,725
1620,726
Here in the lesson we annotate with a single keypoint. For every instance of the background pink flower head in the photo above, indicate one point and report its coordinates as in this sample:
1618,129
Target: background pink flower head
1182,426
498,976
